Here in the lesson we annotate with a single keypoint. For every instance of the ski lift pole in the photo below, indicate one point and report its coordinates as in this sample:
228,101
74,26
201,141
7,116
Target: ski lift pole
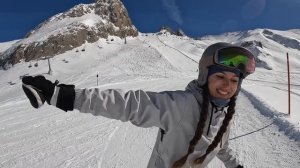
97,79
50,70
289,84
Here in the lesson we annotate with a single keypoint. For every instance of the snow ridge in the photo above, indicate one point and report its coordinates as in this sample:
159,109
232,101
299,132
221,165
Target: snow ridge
279,119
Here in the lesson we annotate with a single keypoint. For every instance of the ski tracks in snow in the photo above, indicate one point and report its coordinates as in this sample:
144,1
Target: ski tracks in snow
263,144
51,138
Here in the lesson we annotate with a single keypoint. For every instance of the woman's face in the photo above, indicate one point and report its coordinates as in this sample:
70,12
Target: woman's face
223,84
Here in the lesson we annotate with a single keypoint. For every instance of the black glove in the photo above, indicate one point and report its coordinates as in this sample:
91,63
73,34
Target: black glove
38,90
240,166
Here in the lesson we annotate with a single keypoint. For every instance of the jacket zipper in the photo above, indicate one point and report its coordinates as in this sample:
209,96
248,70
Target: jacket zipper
221,143
162,133
212,109
210,120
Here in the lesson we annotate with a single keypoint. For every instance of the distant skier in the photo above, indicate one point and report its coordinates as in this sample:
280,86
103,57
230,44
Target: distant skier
194,123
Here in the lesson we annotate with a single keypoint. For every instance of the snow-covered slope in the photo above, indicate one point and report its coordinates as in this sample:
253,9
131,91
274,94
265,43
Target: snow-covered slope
84,23
263,135
4,46
275,45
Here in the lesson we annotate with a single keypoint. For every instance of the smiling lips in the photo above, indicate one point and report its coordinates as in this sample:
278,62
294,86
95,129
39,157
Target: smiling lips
222,92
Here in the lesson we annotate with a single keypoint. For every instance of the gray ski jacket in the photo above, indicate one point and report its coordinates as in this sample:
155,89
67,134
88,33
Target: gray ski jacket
176,113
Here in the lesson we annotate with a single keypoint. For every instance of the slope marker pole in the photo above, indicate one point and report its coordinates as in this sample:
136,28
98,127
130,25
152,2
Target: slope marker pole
289,84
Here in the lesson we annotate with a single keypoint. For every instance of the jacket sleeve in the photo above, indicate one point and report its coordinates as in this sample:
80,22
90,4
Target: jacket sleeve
227,157
144,109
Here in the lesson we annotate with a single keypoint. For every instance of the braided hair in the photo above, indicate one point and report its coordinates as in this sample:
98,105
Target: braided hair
223,129
199,131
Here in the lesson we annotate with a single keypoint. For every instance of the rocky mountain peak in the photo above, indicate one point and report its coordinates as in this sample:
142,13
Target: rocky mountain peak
168,30
65,31
114,11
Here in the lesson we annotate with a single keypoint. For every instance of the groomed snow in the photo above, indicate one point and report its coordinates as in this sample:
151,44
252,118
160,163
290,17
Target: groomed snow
263,134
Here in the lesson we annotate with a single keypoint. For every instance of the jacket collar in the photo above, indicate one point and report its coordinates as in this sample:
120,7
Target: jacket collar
196,90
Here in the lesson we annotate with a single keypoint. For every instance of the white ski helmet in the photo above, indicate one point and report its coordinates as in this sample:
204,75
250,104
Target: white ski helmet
228,56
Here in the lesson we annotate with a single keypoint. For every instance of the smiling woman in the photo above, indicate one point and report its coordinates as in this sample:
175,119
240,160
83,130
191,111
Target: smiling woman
223,84
194,123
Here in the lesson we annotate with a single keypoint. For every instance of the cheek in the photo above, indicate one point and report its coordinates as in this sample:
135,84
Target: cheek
217,84
212,87
214,83
234,86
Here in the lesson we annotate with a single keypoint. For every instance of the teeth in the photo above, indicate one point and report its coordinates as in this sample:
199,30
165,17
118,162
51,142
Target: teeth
223,92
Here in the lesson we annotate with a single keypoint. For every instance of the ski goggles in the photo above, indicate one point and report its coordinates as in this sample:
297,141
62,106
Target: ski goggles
236,58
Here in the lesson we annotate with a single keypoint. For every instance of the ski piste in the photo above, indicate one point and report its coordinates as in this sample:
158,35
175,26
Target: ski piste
49,137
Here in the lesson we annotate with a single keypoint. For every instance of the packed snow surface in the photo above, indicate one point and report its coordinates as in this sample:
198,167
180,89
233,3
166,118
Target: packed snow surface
263,134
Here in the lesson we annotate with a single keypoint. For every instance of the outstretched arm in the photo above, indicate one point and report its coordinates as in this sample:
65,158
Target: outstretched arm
144,109
141,108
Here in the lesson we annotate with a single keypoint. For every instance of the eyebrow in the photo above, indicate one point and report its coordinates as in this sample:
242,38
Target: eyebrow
223,72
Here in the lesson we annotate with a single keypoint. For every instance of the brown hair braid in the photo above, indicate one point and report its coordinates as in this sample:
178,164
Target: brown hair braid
218,137
199,130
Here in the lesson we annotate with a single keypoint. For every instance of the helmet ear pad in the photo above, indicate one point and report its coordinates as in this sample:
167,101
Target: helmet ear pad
239,86
202,76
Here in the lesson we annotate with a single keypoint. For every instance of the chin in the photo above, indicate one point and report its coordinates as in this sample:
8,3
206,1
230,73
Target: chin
223,97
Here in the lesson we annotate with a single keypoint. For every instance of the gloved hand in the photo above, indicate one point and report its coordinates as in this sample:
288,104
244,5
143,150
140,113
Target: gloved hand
38,90
240,166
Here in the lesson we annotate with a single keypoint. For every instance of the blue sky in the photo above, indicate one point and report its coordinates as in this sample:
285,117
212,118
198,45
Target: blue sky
195,17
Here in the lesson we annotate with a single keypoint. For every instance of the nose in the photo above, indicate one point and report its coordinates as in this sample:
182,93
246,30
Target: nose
226,82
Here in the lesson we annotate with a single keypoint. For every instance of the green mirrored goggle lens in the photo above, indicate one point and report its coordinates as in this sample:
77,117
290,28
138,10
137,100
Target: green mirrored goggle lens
233,60
236,57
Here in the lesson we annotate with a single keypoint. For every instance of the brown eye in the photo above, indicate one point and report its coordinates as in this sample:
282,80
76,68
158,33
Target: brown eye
235,80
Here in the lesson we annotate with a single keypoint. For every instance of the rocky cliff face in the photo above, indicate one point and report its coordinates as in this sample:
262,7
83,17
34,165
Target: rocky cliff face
65,31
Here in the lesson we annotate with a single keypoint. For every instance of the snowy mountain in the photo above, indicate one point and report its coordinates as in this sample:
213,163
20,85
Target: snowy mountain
270,46
168,31
263,134
96,45
84,23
